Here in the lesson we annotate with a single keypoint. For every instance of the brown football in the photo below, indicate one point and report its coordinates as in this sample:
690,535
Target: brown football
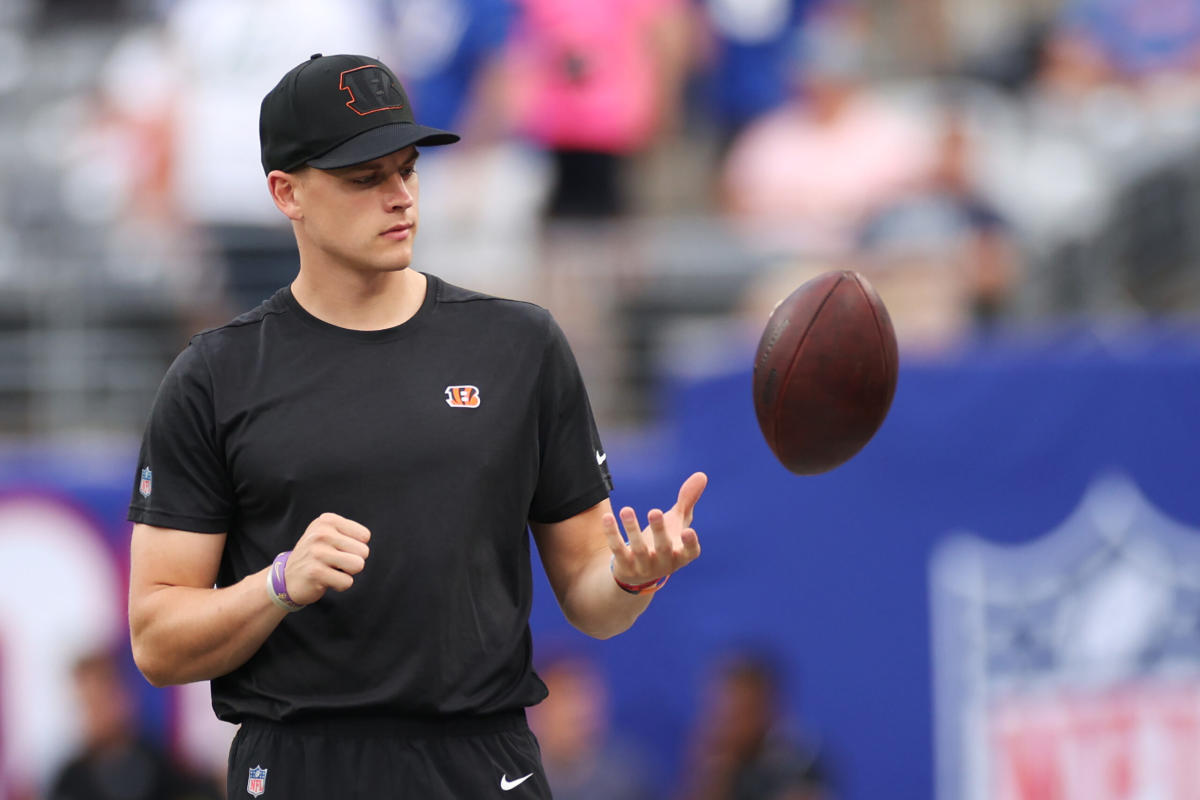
825,372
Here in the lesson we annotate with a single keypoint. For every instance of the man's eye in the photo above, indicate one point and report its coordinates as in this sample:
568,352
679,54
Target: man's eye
363,180
408,172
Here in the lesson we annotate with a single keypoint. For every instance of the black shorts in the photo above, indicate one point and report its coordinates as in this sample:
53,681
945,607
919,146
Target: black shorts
377,759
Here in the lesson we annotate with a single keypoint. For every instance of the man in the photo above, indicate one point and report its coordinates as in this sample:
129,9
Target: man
744,747
585,758
114,760
374,431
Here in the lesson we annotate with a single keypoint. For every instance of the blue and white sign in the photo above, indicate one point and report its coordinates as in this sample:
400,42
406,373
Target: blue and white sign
1069,668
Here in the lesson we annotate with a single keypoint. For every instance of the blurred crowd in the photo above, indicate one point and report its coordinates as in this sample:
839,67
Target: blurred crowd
115,759
746,740
636,165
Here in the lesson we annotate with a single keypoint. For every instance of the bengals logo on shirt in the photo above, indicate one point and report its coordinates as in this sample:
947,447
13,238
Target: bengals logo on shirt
462,396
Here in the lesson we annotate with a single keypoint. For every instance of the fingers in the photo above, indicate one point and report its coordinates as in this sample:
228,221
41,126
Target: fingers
665,545
689,495
658,530
334,568
658,550
633,532
612,535
349,563
330,578
691,545
338,534
352,546
331,552
349,527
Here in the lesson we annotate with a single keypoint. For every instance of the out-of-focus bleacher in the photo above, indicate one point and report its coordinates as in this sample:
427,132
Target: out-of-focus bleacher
84,328
1073,194
1084,175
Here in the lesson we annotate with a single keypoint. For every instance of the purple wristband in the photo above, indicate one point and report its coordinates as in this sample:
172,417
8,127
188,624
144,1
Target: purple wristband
277,586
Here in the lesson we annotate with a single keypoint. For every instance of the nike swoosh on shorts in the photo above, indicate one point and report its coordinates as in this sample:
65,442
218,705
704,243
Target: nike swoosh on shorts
507,785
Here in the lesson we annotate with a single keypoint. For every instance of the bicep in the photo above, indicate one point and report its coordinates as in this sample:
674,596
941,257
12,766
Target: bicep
162,557
569,546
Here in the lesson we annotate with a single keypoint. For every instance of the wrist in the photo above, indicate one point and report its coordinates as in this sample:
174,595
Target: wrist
649,587
277,585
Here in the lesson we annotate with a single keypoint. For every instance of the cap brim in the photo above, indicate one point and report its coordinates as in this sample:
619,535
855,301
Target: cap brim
380,141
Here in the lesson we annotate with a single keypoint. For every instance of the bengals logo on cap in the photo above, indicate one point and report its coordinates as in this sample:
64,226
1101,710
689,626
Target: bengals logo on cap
462,396
371,89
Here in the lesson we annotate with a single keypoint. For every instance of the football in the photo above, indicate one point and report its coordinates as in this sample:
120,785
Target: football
825,372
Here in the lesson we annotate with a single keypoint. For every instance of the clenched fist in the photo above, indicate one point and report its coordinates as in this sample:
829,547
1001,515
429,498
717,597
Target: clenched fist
331,552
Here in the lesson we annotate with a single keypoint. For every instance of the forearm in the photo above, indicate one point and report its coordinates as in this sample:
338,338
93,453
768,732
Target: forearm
182,634
596,605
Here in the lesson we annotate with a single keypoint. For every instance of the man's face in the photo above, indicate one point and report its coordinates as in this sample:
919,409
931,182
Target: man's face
363,216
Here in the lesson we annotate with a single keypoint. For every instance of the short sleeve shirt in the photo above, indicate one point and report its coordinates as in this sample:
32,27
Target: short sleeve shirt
444,436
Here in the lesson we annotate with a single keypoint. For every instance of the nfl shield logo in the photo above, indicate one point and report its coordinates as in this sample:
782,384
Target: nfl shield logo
257,783
144,486
1069,667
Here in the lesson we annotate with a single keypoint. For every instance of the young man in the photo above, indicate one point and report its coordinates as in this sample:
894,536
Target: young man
377,432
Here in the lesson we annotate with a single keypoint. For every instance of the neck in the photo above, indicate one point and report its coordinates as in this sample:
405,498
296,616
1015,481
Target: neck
361,301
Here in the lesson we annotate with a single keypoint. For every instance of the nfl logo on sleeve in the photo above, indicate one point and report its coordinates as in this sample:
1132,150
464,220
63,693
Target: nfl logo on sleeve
257,783
144,486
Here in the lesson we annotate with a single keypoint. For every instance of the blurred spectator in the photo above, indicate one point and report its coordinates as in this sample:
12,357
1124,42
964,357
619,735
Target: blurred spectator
583,761
808,172
1139,114
742,748
1071,66
594,84
748,68
76,13
1011,61
204,70
1037,159
118,190
948,220
114,761
452,57
1092,153
448,53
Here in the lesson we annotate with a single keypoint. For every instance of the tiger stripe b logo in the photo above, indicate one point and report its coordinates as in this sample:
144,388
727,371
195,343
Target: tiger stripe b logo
462,396
371,89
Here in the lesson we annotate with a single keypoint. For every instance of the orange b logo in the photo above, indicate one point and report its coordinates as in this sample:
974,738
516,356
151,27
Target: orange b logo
462,396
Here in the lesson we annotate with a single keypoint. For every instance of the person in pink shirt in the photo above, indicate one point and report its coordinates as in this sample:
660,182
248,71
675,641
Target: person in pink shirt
812,169
593,84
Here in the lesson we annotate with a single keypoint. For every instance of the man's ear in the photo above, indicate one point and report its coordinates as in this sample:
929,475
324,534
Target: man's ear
285,191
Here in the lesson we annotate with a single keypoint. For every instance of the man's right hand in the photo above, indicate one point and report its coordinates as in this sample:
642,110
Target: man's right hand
330,553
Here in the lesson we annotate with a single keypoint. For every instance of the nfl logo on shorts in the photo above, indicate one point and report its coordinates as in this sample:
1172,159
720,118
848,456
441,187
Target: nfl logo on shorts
257,783
144,486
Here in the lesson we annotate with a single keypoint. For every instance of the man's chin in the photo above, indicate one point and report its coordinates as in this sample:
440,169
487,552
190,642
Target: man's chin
393,265
396,261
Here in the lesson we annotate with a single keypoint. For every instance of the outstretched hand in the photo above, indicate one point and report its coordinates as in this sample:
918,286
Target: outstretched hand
664,546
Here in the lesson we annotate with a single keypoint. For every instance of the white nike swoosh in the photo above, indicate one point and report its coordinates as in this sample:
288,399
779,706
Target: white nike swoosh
601,457
507,785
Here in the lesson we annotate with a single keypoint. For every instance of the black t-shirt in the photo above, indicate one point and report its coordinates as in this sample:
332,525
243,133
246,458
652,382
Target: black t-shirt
444,436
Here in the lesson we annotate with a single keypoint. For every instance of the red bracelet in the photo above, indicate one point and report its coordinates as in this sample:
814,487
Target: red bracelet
649,587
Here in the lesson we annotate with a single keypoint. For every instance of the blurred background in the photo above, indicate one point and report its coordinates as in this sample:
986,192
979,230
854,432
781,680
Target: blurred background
998,598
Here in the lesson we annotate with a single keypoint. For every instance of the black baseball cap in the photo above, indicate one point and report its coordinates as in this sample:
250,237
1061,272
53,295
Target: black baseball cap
335,111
